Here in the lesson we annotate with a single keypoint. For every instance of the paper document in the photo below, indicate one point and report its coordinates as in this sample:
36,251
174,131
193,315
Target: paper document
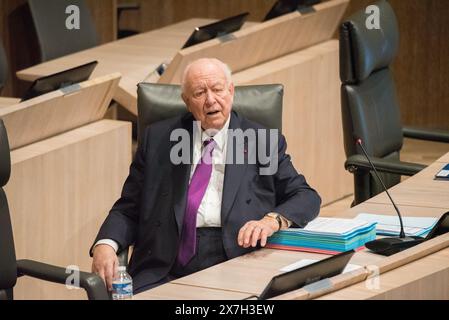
333,225
306,262
390,225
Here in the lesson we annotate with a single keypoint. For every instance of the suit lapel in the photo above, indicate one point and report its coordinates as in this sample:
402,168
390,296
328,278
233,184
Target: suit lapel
180,177
234,172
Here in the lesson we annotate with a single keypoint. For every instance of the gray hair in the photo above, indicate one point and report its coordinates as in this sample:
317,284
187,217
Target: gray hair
227,71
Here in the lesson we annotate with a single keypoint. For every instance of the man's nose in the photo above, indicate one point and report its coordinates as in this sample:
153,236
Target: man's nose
210,98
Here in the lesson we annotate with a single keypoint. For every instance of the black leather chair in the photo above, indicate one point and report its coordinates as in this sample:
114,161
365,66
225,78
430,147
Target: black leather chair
3,67
10,268
156,102
370,109
259,103
55,40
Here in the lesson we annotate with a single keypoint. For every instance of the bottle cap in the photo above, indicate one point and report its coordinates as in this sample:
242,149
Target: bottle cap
122,268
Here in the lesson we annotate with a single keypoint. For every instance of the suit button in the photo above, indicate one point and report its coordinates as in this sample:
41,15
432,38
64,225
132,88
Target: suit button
149,252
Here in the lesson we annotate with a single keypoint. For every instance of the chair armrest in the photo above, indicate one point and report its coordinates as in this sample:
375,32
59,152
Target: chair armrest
92,283
359,161
426,134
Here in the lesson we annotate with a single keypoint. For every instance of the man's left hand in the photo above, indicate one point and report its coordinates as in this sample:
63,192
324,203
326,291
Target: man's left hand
256,230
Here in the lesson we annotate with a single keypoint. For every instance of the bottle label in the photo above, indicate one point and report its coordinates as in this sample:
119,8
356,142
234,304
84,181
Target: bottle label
122,291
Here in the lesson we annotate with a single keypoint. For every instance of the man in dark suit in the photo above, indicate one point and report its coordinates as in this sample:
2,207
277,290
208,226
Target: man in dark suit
184,217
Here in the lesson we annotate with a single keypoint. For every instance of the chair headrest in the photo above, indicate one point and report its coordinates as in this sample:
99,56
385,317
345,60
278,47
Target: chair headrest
363,50
258,103
5,159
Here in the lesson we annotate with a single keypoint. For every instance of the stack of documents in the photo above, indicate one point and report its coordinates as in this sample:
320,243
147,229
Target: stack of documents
325,235
390,226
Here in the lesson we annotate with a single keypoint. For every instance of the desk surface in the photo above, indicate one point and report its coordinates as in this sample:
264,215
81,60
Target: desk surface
7,101
419,190
172,291
250,273
444,159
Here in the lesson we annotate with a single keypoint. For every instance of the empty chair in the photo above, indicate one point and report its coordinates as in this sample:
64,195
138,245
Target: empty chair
55,22
10,268
370,110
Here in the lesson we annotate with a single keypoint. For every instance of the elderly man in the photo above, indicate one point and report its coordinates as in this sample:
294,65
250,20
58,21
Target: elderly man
182,218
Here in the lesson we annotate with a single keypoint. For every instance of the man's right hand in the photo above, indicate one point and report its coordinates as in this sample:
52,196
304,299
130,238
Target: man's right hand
105,263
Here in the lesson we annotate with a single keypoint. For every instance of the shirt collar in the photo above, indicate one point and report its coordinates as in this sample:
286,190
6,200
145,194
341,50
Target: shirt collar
219,137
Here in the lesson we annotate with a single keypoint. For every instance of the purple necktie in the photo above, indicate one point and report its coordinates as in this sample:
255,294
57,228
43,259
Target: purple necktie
197,189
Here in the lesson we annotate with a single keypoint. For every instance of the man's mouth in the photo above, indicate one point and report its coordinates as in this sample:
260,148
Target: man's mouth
212,113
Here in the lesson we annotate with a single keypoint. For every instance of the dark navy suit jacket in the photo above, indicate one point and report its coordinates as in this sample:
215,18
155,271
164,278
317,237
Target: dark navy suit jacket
149,213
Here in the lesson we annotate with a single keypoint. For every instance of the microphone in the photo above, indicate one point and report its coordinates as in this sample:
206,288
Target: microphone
389,245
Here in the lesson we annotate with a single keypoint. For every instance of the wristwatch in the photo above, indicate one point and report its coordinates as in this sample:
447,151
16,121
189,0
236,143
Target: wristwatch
276,216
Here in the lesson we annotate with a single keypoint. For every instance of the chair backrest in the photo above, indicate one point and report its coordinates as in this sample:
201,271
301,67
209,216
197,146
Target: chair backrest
259,103
55,38
370,109
3,66
8,266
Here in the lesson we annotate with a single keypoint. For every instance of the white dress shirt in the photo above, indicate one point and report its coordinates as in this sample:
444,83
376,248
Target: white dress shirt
209,212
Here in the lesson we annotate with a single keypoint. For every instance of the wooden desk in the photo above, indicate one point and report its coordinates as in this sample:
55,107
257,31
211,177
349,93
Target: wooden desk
444,159
134,57
172,291
419,190
418,273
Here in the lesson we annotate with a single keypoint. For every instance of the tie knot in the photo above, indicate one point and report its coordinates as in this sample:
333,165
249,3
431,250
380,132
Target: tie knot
209,143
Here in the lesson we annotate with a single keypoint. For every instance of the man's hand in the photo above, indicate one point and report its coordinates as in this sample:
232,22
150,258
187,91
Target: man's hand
256,230
105,263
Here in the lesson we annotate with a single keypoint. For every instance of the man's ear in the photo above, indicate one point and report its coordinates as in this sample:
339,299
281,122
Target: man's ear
231,88
186,100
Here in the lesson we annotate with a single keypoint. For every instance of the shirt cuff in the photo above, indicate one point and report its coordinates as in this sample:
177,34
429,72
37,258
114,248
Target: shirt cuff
109,242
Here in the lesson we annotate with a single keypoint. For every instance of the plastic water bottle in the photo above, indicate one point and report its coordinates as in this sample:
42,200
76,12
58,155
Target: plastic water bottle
122,285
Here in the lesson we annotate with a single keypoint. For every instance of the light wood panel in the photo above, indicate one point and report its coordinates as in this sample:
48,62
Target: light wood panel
173,291
58,111
7,102
421,151
155,14
311,119
59,193
444,159
104,15
264,41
